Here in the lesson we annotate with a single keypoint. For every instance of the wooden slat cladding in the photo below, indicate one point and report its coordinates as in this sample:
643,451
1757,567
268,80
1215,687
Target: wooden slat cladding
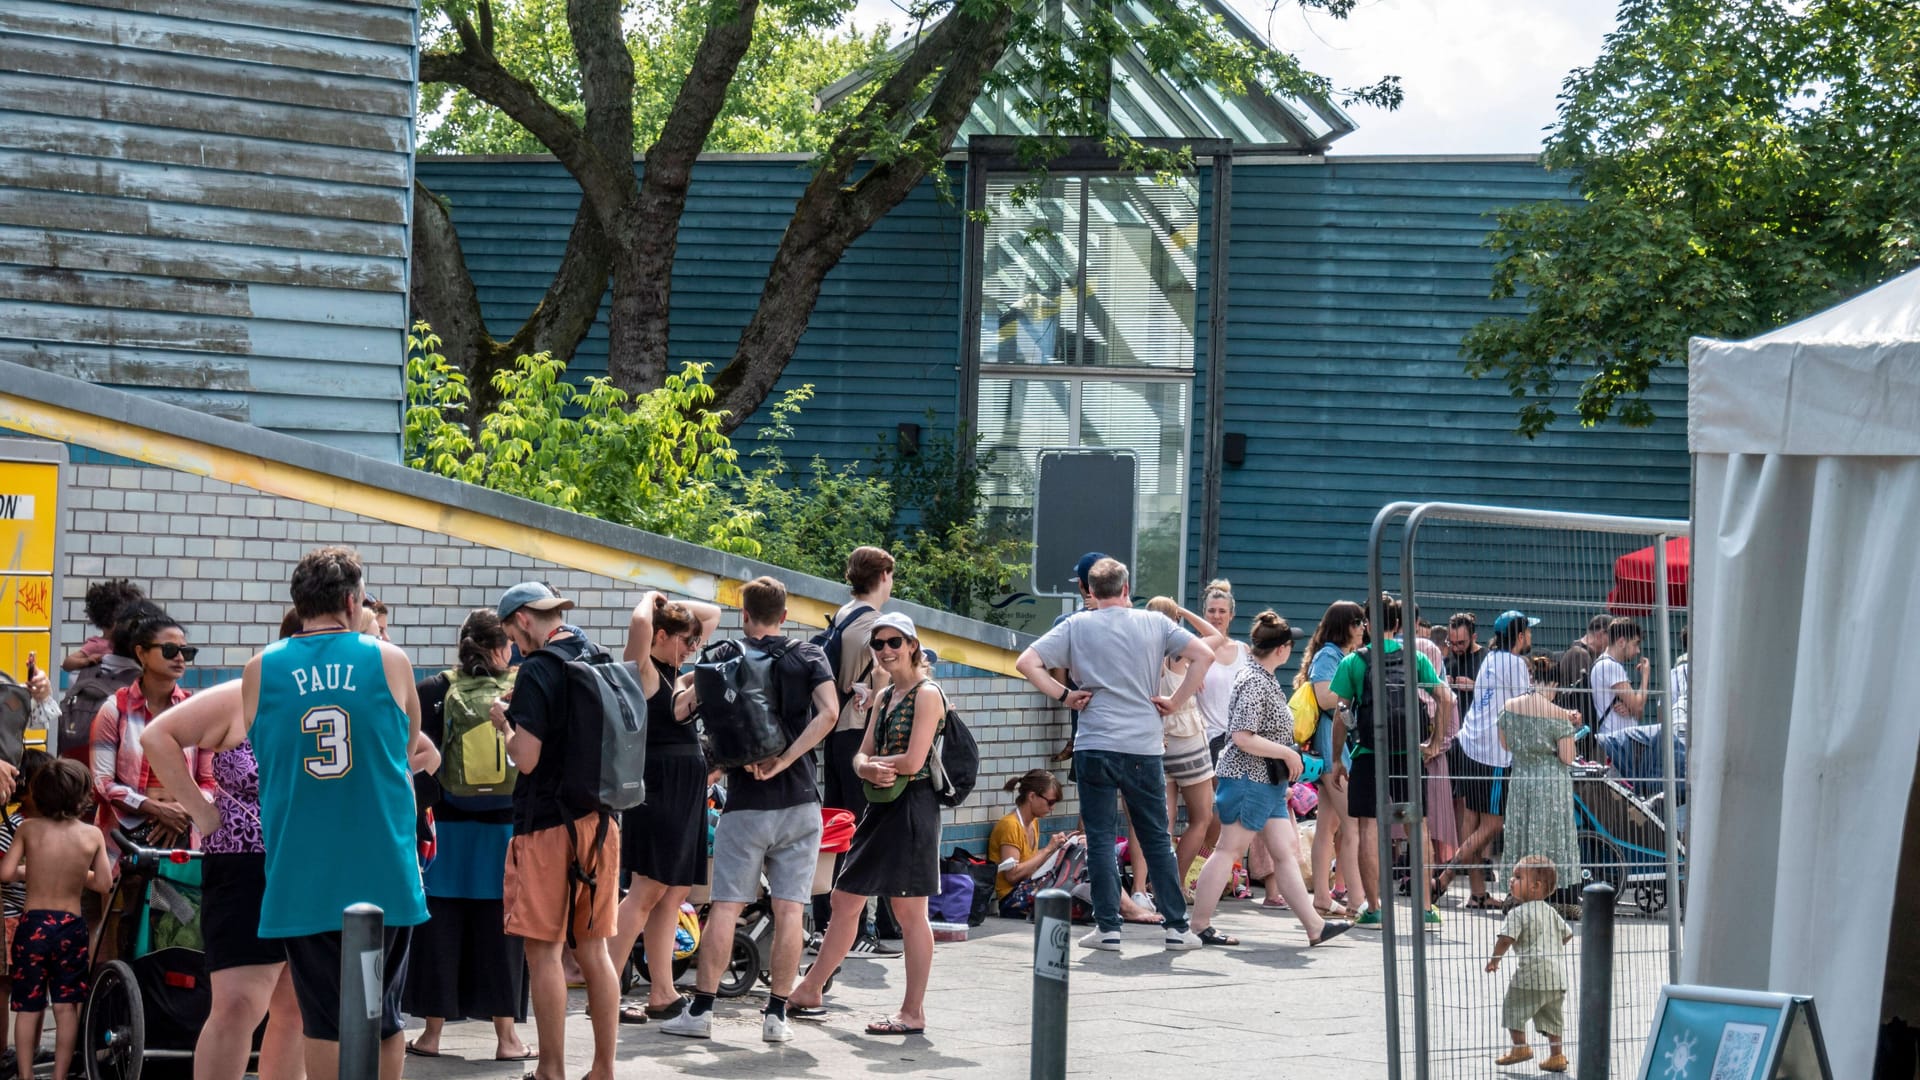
188,37
354,21
241,82
207,201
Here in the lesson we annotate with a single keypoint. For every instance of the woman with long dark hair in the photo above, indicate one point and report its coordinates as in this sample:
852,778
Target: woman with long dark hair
1342,629
131,798
663,842
464,966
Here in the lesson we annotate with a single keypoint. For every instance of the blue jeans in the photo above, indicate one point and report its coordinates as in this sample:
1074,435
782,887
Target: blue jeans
1105,777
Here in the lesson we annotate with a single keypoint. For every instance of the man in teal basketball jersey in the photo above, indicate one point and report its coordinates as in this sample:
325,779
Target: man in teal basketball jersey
331,714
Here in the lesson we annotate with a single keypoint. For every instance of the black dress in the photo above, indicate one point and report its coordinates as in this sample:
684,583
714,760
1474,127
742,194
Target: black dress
665,838
896,846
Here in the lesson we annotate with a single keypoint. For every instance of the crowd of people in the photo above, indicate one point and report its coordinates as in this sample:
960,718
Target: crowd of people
496,822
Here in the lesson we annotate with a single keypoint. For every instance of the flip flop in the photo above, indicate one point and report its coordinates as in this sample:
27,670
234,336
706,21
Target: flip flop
806,1012
526,1055
893,1027
1277,903
1483,902
417,1052
635,1014
1150,919
1333,928
668,1012
1210,936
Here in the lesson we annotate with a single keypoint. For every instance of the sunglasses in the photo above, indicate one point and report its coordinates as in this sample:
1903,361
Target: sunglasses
1051,801
888,643
178,652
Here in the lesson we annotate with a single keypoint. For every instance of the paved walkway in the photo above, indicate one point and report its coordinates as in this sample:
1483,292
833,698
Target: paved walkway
1270,1008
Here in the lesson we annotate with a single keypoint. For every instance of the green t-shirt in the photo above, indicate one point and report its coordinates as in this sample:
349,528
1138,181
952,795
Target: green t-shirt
1352,674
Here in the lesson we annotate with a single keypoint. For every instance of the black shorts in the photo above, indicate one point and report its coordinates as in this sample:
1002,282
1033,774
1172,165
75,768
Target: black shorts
1362,794
232,887
314,961
1483,786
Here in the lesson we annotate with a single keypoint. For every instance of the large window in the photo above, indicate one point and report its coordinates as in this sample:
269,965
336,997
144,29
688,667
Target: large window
1086,338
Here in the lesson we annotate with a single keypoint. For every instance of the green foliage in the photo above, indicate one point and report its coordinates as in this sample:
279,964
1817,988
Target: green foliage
1741,165
663,465
769,109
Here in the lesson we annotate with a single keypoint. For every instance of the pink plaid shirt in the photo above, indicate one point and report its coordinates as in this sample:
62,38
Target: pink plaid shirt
121,775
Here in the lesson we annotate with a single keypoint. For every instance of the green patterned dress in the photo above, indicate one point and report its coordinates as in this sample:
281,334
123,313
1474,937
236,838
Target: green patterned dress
1539,796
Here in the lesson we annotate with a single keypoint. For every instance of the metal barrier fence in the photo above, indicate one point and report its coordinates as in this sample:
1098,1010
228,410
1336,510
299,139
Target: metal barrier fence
1614,816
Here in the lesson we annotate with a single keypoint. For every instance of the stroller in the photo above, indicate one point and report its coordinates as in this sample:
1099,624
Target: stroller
1624,824
150,995
753,935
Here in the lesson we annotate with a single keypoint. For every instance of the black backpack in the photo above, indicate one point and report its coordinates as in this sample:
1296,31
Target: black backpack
91,688
829,640
1366,731
956,759
598,681
738,688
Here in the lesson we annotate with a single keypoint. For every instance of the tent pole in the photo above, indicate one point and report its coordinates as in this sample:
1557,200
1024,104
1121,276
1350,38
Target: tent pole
1664,681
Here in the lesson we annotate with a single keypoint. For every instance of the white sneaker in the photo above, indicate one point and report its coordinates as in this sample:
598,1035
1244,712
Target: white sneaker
688,1026
1183,940
1144,901
1097,938
774,1029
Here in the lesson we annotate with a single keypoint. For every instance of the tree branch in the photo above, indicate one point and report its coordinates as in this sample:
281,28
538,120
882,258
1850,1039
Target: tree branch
831,215
564,315
441,292
606,87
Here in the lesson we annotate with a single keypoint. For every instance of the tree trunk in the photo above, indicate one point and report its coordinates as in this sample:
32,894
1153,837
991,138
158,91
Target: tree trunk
442,294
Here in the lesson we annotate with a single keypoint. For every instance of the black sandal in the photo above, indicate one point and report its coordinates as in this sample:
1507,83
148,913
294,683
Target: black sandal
1483,902
1210,936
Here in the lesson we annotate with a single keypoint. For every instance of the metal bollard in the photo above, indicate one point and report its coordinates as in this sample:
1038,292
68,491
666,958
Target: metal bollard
362,969
1596,982
1052,929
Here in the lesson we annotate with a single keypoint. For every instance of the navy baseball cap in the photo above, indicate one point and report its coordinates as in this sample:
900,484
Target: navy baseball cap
1508,620
1085,566
532,594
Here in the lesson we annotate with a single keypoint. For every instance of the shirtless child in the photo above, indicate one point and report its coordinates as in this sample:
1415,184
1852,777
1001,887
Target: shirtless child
49,957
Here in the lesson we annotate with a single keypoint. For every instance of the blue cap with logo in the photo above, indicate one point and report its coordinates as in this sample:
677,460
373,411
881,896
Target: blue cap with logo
1509,623
530,594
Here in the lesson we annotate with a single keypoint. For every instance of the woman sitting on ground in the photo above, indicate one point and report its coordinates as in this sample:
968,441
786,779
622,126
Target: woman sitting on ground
1015,841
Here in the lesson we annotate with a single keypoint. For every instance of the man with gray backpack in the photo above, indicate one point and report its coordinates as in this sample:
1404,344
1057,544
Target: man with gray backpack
765,701
575,726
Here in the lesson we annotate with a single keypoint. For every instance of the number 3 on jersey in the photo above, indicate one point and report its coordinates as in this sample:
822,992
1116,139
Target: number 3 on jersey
328,724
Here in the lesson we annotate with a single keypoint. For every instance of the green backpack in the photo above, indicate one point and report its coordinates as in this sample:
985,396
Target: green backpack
473,756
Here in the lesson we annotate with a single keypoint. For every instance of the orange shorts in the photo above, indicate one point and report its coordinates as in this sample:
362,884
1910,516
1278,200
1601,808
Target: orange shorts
534,891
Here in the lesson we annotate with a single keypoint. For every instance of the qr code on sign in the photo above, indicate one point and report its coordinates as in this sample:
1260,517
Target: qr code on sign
1739,1054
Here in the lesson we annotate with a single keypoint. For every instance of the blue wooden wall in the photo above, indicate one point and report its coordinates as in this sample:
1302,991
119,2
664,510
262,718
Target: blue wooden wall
884,340
209,203
1351,284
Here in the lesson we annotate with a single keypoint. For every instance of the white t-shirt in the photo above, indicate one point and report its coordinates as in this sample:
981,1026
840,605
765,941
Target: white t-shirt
1217,690
1608,673
1117,653
1503,677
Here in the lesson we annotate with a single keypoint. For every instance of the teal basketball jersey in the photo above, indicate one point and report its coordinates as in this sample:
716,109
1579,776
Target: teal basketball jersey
336,796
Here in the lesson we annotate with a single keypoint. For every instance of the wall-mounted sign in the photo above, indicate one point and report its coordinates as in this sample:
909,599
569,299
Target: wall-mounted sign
1711,1033
30,501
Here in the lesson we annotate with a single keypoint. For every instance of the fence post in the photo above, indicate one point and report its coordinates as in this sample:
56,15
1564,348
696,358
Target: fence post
362,971
1596,981
1052,926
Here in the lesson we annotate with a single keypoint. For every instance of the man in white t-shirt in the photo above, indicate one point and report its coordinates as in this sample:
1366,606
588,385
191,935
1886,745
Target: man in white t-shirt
1114,654
1616,703
1503,676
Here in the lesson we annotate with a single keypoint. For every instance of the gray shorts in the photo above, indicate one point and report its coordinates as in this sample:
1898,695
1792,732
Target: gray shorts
785,842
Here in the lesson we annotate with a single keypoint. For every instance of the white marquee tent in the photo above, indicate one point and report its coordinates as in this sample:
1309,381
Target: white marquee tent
1806,666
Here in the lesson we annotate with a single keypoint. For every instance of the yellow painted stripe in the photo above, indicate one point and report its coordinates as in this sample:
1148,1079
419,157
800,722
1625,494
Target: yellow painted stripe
337,493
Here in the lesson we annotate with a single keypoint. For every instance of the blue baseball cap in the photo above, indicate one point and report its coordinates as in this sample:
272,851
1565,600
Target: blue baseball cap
1508,620
1085,566
531,594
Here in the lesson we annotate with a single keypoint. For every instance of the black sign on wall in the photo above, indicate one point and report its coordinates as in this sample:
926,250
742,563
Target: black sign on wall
1083,500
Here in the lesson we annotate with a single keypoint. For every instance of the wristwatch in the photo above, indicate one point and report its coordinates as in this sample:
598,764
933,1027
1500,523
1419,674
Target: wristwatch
1064,691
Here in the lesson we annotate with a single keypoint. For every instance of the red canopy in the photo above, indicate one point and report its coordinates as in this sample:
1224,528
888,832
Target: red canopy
1632,592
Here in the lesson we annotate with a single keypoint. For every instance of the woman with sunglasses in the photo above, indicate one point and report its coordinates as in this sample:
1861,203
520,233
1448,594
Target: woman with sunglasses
1342,629
1016,841
896,846
130,796
663,842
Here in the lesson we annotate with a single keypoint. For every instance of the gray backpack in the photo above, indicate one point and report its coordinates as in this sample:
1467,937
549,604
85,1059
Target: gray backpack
615,687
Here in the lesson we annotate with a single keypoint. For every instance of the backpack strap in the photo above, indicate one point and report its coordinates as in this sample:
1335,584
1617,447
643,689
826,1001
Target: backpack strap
578,874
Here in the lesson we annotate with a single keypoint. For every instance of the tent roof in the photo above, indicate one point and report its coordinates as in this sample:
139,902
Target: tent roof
1145,103
1843,382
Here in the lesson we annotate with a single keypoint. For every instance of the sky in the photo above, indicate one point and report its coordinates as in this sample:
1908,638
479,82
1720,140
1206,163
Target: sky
1481,76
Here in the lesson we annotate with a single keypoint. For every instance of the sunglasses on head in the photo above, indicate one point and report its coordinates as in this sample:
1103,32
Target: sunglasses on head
178,652
888,643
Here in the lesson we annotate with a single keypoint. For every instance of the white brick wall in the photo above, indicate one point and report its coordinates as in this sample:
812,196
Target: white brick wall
218,557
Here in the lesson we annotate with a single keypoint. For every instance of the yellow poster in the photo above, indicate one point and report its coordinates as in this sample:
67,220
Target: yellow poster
29,531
